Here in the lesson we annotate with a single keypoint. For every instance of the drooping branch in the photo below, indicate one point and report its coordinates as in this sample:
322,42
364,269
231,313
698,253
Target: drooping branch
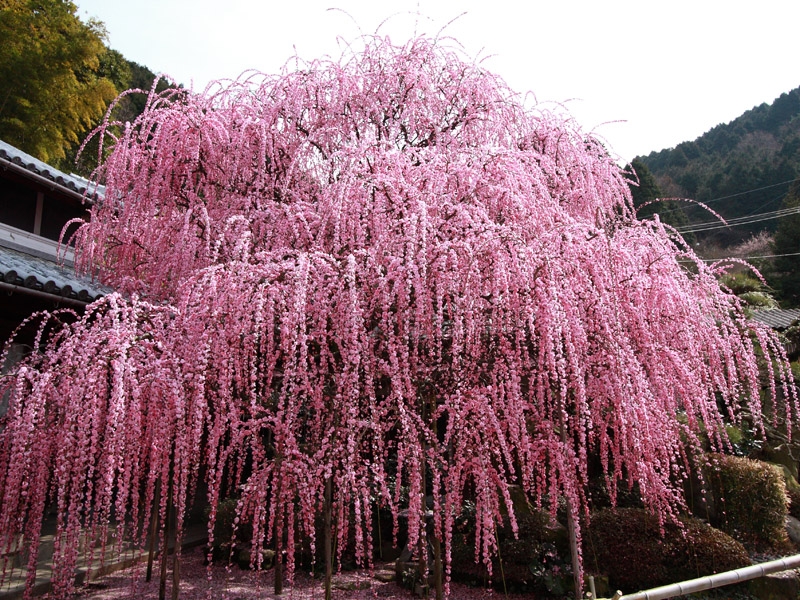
383,274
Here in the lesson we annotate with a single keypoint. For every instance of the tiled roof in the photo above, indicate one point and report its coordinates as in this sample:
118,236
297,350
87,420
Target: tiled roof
40,274
777,319
11,156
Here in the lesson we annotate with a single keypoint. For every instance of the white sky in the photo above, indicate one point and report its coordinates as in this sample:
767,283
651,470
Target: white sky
643,75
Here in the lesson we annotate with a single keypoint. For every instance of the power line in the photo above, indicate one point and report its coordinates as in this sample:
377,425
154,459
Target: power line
772,255
742,257
745,192
713,200
710,225
761,189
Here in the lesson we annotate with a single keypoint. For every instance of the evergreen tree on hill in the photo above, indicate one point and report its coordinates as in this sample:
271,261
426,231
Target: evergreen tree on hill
645,189
743,166
787,246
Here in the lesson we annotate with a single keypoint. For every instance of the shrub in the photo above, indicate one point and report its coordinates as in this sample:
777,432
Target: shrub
537,560
749,501
629,546
741,283
224,529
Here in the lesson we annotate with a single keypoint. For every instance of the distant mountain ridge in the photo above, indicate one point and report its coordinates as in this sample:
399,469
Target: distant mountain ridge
743,168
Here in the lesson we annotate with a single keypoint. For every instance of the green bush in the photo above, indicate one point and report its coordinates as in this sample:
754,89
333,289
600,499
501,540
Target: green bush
224,529
749,501
629,546
537,560
741,283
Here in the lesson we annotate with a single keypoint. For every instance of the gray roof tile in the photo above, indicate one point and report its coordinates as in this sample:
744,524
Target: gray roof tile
776,318
41,274
22,160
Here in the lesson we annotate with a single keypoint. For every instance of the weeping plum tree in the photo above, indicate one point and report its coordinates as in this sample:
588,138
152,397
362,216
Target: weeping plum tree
379,280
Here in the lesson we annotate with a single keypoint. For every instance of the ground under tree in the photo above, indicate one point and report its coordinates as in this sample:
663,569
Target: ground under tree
381,280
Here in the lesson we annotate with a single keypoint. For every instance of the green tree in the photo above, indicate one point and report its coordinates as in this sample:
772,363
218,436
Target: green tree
786,246
53,89
117,69
124,74
644,188
738,166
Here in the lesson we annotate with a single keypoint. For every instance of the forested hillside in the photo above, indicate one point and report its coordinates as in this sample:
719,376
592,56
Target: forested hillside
58,79
742,169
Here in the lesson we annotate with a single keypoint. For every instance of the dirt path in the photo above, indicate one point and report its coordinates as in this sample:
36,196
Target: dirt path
232,583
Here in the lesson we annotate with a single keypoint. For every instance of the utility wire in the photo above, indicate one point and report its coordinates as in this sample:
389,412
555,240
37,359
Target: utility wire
777,213
709,225
761,189
743,257
713,200
772,255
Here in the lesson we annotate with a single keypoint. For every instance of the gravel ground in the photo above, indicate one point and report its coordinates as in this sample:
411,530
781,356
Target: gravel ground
232,583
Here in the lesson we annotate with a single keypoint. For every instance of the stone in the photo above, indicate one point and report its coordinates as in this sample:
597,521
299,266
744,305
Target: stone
351,586
385,575
777,586
793,529
246,554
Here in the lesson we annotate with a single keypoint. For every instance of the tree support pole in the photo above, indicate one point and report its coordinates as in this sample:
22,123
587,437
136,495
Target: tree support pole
176,568
151,553
328,541
279,555
162,587
573,533
437,567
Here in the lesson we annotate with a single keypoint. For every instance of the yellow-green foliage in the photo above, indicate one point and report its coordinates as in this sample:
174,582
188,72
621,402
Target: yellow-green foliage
51,83
759,300
628,545
749,500
741,283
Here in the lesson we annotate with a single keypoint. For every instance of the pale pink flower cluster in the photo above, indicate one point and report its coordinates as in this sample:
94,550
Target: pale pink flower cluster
385,273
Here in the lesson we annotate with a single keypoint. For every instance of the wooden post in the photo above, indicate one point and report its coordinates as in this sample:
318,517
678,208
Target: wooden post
573,532
279,555
162,587
176,568
437,567
153,530
328,541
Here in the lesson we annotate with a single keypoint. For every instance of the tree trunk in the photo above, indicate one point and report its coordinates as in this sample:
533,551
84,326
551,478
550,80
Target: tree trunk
437,567
162,586
278,560
153,531
422,544
176,569
573,533
328,541
573,546
279,555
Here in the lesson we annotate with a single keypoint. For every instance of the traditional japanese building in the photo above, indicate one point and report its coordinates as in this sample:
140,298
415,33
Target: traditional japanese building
36,202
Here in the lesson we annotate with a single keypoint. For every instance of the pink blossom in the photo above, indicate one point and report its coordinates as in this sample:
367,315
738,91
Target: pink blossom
385,272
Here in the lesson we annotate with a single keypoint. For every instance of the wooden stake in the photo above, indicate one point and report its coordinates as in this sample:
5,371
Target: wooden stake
153,530
162,588
328,542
